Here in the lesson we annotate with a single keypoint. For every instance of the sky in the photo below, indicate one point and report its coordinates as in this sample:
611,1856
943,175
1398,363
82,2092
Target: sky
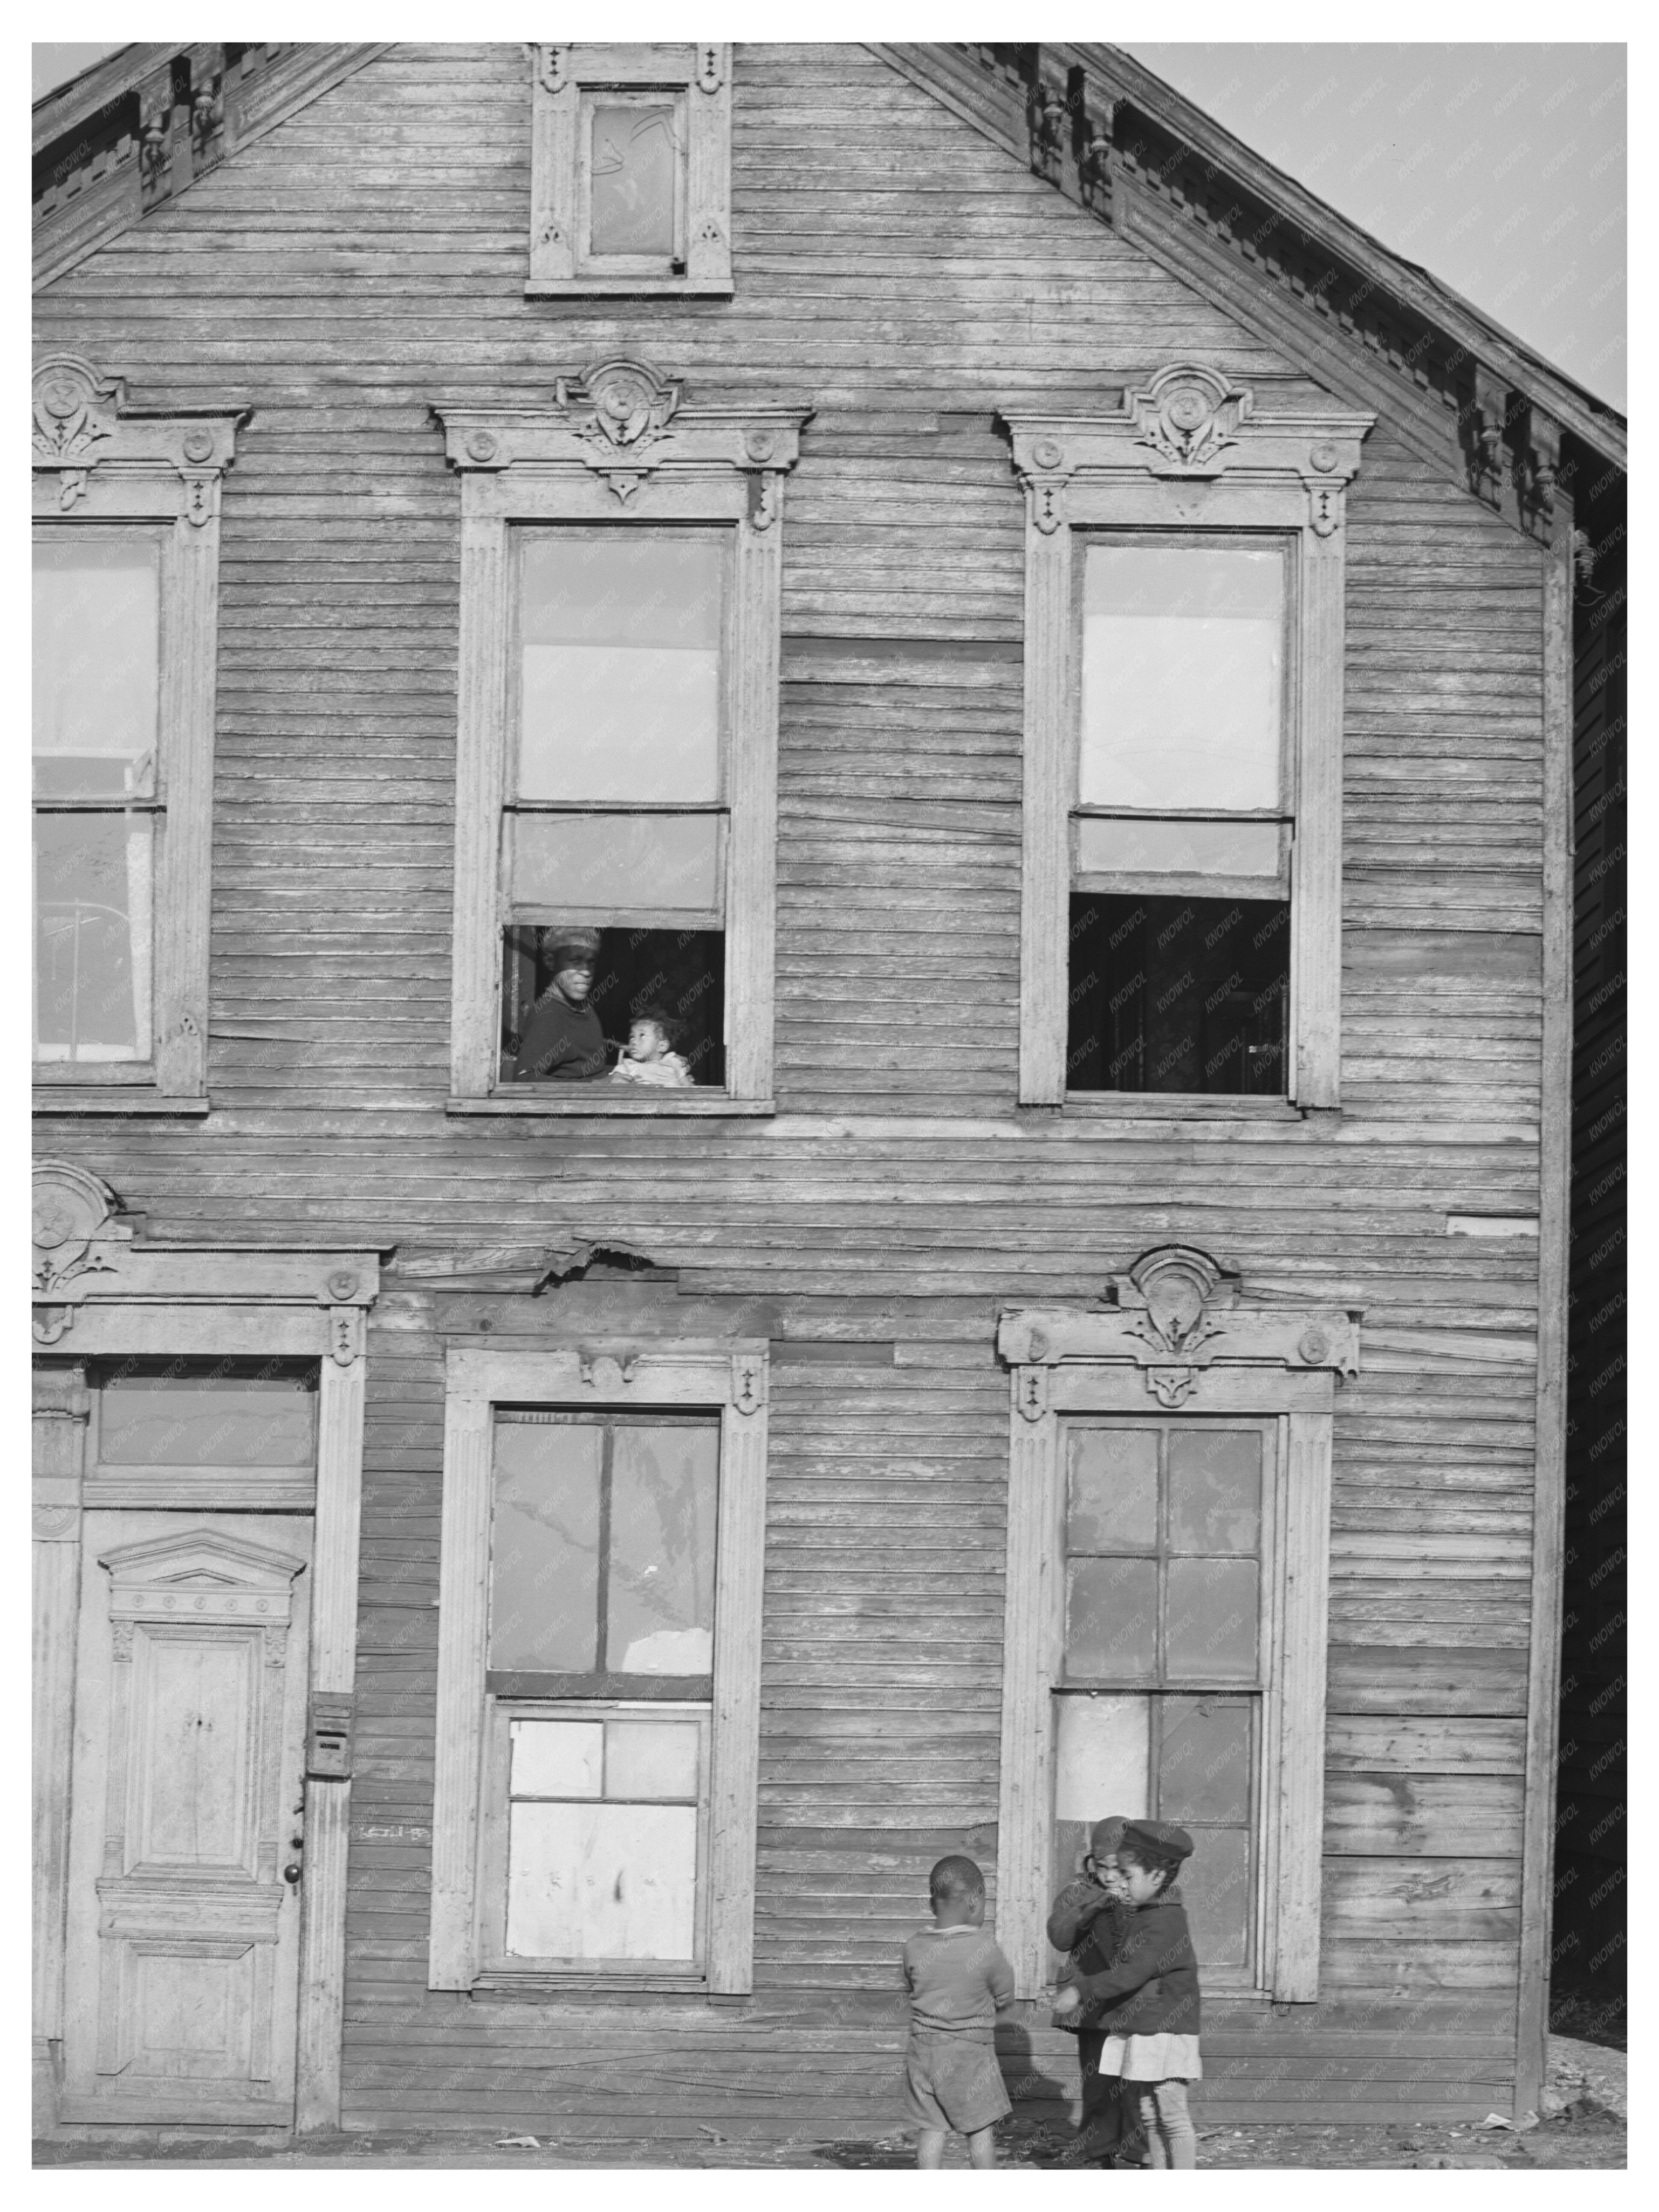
1500,168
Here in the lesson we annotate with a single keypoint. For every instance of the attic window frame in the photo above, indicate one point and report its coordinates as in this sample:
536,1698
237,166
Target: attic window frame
565,83
1185,459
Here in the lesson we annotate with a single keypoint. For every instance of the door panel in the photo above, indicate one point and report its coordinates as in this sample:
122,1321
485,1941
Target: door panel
183,1933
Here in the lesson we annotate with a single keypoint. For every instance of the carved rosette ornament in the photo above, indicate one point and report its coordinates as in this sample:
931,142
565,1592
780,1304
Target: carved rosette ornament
1173,1316
621,409
73,1213
1186,418
81,423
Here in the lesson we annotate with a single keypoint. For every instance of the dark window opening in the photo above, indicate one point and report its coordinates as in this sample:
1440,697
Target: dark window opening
1178,994
680,971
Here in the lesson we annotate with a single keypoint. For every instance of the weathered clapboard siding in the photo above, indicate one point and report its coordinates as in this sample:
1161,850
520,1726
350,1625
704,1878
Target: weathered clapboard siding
905,279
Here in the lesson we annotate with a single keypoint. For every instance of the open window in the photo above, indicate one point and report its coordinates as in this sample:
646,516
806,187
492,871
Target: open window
599,1681
631,189
617,760
1181,885
126,588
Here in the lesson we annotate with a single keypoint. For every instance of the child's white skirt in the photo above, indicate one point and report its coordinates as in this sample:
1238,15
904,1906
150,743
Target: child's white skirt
1152,2057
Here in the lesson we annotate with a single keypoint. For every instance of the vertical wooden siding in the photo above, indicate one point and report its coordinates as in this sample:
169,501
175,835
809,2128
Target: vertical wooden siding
904,278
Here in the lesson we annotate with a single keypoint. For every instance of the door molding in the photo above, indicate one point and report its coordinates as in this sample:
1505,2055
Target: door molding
99,1290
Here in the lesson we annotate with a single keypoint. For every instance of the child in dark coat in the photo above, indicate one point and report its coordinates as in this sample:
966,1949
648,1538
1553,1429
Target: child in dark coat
1144,1994
1095,1904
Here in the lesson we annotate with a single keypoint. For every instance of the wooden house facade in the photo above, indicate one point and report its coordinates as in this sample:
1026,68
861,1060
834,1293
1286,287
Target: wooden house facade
1046,657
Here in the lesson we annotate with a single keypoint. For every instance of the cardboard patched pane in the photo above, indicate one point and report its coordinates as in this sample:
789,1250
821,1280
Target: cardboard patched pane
1215,1489
602,1882
1212,1621
1111,1488
1111,1618
544,1548
557,1758
1101,1758
651,1760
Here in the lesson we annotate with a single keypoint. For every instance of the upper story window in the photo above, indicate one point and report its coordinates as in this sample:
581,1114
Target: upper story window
126,595
1181,898
616,760
1179,975
630,182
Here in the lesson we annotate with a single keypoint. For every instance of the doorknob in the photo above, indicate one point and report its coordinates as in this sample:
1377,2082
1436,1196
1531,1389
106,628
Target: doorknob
292,1873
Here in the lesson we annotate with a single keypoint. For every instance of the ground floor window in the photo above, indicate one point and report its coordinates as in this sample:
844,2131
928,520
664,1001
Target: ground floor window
599,1676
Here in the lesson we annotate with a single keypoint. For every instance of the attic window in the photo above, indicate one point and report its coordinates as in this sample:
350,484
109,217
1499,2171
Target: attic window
630,181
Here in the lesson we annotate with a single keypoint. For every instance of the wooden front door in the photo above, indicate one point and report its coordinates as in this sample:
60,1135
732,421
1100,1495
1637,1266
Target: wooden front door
183,1937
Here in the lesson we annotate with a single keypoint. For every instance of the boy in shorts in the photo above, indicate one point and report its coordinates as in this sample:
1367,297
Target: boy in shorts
959,1981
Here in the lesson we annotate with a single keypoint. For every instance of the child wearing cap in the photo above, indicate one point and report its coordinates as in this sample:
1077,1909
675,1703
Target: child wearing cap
959,1981
1110,2131
1145,1995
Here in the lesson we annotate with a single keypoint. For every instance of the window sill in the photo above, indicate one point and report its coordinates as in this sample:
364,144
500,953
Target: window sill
531,1987
603,1099
588,288
128,1098
1175,1106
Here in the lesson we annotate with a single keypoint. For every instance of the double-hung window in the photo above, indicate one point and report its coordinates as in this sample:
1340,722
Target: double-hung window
1181,885
599,1679
126,590
1169,1533
616,756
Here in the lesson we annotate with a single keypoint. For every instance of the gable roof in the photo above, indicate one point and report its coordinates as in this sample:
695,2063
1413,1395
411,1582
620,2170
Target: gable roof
1382,331
133,131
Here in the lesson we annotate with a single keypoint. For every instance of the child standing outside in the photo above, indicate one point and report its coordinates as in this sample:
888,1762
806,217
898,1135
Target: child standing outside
1145,1996
959,1981
650,1057
1096,1902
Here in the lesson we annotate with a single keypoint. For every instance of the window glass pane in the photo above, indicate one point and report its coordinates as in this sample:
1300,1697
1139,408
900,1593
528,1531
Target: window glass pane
1215,1882
602,1882
1211,1627
634,161
1204,1760
621,642
663,863
544,1548
152,1421
1111,1618
661,1614
557,1758
97,654
681,972
93,906
1183,663
1215,1489
1183,849
651,1758
1100,1758
1112,1489
1178,994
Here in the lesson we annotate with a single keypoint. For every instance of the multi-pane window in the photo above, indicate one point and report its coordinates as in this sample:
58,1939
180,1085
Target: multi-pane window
1182,822
599,1686
616,815
99,791
1157,1708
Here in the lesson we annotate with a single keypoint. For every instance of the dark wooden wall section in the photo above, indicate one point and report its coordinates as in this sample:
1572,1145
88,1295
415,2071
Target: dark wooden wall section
905,278
1588,1952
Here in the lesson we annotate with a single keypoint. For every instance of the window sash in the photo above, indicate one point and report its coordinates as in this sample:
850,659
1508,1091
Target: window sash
588,261
495,1859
